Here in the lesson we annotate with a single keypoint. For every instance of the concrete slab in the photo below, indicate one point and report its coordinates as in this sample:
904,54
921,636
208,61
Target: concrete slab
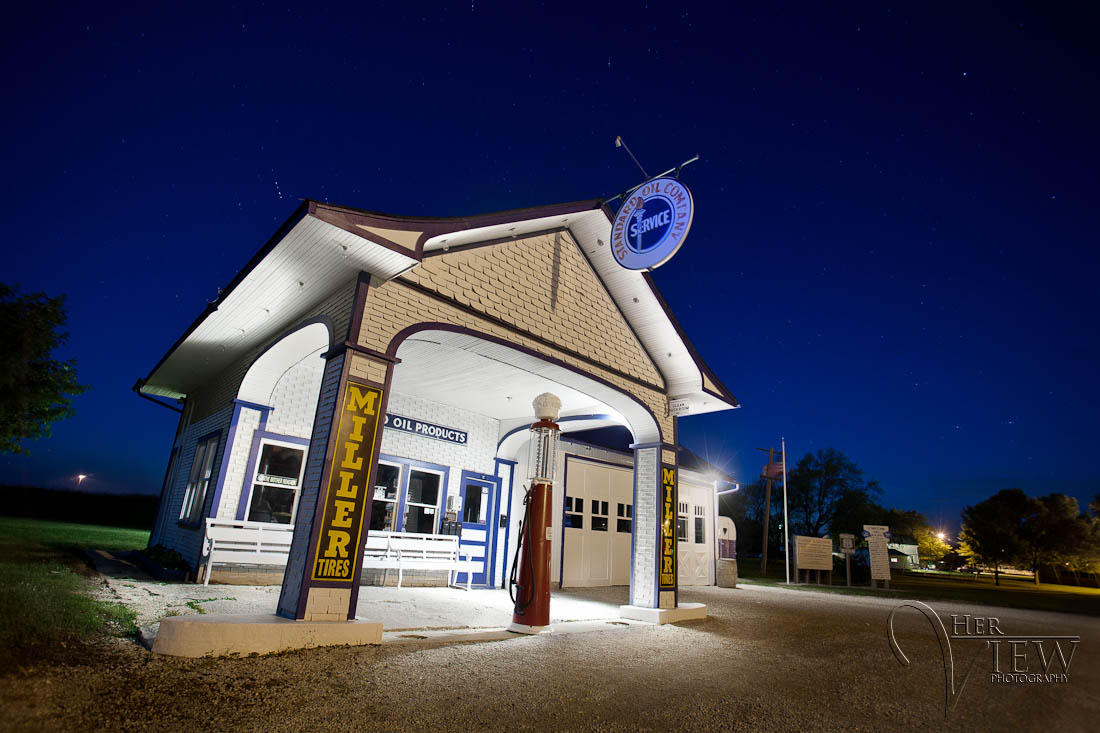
219,635
682,612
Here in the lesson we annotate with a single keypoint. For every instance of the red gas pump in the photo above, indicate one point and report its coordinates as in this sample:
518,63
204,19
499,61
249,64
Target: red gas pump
531,592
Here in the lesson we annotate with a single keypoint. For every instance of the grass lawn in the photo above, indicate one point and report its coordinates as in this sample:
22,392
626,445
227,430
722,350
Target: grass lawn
44,602
1012,592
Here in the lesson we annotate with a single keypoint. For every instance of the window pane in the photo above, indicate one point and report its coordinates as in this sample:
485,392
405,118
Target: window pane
419,519
471,507
201,471
700,536
682,529
386,482
423,488
271,504
574,521
599,524
623,525
192,482
279,465
382,515
196,466
208,461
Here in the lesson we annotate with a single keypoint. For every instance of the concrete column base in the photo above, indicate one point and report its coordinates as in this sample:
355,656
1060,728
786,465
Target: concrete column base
222,635
682,612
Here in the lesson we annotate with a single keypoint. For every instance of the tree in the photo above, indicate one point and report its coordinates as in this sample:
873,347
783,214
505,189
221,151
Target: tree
993,530
36,390
746,508
905,525
1052,532
854,509
929,545
816,486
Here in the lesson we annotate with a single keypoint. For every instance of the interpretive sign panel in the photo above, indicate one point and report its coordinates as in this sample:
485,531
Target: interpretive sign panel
877,535
813,553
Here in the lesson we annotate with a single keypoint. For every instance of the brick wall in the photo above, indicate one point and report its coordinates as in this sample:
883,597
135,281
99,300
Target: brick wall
311,484
248,421
295,398
647,481
188,541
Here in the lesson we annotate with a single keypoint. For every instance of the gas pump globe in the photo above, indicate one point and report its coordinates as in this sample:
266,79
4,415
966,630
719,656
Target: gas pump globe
530,579
542,459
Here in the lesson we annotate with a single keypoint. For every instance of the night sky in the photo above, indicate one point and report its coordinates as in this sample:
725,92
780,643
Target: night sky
895,240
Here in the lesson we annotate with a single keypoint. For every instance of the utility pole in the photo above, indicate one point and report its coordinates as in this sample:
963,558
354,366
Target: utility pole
767,510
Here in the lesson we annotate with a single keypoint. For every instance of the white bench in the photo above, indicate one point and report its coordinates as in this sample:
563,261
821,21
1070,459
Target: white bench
403,551
260,543
246,543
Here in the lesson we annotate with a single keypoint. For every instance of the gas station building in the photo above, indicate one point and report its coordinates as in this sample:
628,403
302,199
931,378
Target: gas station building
359,349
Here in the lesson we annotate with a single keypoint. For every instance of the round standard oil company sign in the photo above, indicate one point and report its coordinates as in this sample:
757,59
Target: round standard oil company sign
652,224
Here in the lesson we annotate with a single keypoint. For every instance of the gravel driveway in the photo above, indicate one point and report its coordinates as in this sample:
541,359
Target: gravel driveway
765,658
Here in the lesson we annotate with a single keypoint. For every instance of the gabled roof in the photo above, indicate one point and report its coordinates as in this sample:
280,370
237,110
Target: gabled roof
322,247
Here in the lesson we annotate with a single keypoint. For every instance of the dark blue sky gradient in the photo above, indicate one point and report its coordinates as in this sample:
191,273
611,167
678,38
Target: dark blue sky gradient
894,249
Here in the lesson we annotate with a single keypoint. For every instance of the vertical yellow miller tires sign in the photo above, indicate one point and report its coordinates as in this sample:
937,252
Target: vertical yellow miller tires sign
345,501
666,578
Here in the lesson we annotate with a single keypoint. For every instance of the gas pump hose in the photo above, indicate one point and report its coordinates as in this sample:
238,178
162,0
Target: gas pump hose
524,528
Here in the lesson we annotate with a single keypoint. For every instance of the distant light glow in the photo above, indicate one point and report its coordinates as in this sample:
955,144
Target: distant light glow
80,478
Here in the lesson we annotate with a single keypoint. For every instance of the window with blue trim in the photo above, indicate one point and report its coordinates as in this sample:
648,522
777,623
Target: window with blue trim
422,500
198,482
387,486
276,483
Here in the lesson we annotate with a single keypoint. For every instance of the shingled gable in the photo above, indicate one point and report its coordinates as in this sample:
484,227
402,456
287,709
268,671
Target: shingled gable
544,286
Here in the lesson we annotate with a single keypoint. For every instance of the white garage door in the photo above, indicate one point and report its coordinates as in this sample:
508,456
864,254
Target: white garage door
597,522
598,517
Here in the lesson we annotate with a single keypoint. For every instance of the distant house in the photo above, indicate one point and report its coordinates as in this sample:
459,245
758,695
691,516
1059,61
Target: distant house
903,557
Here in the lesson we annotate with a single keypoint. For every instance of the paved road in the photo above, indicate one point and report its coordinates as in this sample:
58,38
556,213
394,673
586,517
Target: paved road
766,658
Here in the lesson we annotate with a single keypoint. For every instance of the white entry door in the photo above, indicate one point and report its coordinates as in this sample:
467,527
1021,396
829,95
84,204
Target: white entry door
597,522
